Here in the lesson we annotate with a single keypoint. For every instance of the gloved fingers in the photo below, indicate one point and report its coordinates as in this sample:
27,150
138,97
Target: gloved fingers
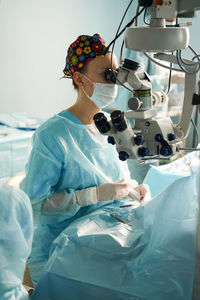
125,189
134,183
144,191
134,195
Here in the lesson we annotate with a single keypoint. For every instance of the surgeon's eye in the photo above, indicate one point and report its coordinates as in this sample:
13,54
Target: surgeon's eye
111,75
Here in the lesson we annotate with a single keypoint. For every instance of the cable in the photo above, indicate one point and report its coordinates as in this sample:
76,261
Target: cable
170,77
118,30
190,64
196,131
121,50
186,63
161,65
137,11
198,55
118,35
169,81
180,60
128,25
182,67
136,24
144,17
123,85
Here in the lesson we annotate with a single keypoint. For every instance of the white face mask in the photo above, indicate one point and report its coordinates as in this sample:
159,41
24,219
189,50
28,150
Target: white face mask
103,93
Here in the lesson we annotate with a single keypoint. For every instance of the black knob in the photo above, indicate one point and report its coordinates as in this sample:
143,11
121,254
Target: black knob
171,137
139,140
123,155
118,120
101,123
143,151
111,140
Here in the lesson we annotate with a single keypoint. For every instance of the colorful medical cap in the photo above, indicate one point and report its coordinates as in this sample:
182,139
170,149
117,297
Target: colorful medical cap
82,51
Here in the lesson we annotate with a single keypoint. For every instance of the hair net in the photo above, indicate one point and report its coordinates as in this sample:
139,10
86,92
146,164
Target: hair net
82,51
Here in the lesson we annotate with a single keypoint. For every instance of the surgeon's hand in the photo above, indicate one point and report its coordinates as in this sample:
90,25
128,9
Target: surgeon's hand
144,192
113,191
117,190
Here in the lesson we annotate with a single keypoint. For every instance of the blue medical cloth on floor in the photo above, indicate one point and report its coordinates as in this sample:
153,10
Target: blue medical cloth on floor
150,258
16,233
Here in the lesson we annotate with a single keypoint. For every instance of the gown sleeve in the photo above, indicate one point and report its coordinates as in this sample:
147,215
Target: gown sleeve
43,172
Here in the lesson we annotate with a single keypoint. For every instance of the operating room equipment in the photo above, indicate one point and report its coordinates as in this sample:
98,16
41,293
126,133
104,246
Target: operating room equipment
153,136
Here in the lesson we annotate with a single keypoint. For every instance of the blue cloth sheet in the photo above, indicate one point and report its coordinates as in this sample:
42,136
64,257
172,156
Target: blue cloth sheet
15,241
150,258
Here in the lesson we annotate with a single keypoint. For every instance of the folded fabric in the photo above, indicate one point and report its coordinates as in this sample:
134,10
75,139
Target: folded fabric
143,252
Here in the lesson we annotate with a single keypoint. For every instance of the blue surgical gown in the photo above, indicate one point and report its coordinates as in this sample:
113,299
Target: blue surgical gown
16,234
66,155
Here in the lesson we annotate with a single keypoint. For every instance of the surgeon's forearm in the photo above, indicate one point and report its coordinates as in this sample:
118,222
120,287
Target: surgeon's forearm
59,201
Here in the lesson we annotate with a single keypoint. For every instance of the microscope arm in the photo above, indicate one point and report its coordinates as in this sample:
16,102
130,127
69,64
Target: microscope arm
185,6
191,87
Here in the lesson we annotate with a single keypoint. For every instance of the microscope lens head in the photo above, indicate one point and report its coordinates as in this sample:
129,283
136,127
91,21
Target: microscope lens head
118,120
111,75
101,123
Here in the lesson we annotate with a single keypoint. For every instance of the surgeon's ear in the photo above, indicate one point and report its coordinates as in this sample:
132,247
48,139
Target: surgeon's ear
77,77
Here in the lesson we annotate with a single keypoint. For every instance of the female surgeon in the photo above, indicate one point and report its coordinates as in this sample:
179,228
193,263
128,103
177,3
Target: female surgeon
72,169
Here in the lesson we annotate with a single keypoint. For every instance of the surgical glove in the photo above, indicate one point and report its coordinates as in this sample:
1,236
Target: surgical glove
115,190
144,192
107,192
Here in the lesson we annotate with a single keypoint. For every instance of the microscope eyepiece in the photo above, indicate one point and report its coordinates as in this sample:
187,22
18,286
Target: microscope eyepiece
101,123
131,64
118,120
111,75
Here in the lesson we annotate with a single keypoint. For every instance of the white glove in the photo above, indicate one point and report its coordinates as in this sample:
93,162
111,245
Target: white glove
108,192
116,190
144,192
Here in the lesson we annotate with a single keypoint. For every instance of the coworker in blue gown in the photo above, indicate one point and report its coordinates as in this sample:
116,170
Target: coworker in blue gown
16,234
72,169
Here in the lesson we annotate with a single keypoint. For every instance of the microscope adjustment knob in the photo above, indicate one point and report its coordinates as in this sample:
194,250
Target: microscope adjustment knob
134,103
123,155
111,140
171,137
147,123
143,151
139,140
158,137
165,151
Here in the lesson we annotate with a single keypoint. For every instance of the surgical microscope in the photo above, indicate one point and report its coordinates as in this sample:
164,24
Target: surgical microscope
153,137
